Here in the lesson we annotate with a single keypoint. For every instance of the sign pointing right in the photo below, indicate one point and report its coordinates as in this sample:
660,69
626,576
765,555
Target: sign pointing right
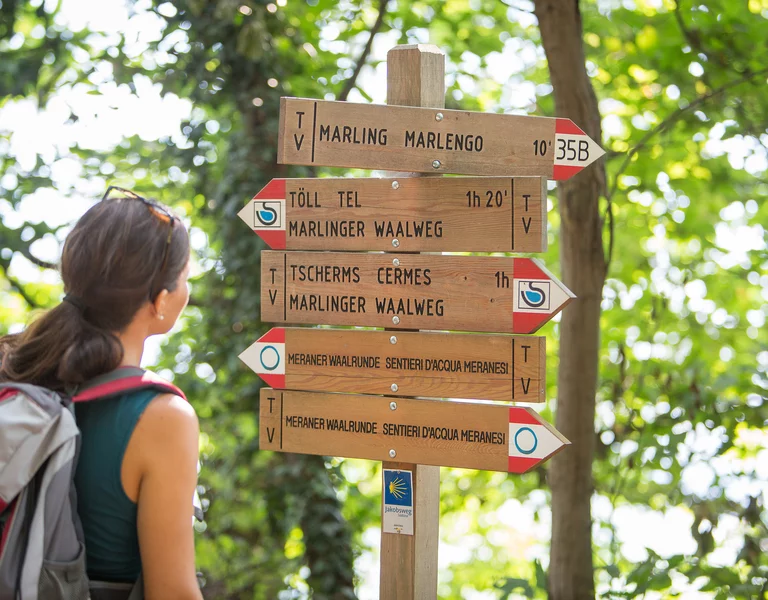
409,291
430,140
512,439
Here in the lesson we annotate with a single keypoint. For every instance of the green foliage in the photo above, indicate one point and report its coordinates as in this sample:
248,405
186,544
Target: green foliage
683,367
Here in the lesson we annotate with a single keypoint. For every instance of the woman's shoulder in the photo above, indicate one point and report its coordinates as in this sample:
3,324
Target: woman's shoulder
168,419
170,410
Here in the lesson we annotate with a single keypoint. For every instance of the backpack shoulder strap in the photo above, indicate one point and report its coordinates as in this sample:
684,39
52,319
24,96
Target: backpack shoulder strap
124,379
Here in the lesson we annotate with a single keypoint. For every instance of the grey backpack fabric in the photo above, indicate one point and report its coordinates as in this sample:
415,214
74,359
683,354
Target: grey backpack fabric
42,551
42,555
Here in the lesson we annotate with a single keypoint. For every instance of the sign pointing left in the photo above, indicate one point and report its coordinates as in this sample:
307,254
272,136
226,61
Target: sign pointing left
410,214
438,365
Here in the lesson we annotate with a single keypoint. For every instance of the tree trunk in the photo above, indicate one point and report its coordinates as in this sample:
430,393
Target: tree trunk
583,271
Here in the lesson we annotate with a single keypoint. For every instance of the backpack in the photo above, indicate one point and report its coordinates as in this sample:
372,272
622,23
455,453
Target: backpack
42,551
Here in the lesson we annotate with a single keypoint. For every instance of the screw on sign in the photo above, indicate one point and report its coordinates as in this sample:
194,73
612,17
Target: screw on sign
398,138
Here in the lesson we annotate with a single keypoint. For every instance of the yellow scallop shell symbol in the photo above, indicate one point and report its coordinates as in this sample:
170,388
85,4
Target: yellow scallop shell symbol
397,488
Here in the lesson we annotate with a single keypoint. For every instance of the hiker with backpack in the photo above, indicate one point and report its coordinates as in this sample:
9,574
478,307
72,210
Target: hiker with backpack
98,458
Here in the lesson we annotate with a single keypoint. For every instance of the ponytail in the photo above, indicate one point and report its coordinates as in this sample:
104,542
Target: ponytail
59,350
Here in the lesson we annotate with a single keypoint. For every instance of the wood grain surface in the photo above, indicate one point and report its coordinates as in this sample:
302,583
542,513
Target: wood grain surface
397,138
433,432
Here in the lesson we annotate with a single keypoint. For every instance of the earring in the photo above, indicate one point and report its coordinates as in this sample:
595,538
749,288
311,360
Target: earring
161,317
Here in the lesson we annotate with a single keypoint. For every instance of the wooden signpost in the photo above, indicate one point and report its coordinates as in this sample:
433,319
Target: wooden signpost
427,140
404,292
466,293
440,365
513,439
409,214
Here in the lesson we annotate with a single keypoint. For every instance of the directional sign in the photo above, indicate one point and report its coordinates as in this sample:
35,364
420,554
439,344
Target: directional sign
453,214
409,291
490,367
429,432
430,140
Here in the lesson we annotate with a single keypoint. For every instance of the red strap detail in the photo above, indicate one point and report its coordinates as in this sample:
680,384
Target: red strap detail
126,384
8,523
276,335
274,190
7,393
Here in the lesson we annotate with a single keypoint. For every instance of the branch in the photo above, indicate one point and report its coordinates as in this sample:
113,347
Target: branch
674,117
26,253
350,83
16,285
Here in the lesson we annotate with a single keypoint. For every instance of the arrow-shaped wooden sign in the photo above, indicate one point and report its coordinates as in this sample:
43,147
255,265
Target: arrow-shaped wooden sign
489,367
437,292
411,214
491,437
430,140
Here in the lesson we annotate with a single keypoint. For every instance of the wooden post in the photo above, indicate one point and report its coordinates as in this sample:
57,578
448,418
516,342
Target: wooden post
415,77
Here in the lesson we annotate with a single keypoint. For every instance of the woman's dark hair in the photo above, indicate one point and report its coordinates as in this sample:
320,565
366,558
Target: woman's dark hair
114,260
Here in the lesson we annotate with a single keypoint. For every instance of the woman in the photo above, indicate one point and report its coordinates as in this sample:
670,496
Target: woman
125,267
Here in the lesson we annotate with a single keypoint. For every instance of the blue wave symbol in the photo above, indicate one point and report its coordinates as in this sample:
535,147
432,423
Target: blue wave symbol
267,216
533,298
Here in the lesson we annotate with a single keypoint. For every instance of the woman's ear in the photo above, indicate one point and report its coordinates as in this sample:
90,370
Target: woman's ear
160,304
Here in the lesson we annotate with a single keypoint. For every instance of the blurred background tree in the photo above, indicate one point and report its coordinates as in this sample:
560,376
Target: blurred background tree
680,465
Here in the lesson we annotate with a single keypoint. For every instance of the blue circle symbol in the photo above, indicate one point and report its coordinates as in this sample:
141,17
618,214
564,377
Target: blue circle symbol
535,441
274,359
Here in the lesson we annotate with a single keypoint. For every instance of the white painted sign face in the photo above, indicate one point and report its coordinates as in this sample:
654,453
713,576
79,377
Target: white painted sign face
531,440
268,355
538,296
266,214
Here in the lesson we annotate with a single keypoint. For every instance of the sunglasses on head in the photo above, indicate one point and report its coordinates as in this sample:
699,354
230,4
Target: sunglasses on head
117,193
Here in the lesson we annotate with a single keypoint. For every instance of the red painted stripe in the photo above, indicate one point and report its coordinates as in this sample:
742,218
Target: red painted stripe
126,384
276,335
566,126
525,268
529,322
274,381
274,238
521,415
7,393
561,172
521,465
274,190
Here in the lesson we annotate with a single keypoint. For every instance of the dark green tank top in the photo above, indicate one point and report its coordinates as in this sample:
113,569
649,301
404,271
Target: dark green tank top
107,514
